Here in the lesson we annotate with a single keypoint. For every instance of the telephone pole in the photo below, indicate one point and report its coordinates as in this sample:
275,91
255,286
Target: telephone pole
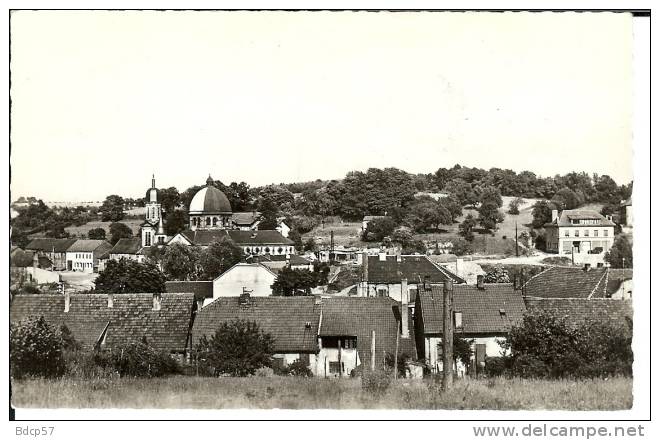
517,255
447,335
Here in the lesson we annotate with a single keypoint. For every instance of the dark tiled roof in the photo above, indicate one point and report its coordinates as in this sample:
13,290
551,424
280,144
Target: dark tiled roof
359,316
201,289
565,217
578,309
241,238
284,318
48,244
567,282
130,320
245,218
480,308
89,246
127,246
412,267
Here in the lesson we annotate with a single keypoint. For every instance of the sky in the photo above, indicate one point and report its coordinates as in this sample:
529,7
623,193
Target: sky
101,100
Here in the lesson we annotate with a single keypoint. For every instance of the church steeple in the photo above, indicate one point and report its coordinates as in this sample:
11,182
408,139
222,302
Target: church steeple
209,181
153,180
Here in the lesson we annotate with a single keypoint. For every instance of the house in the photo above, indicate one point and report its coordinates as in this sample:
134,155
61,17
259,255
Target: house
576,310
202,290
579,232
619,283
361,332
252,242
468,270
53,248
252,277
626,215
128,248
293,322
277,262
484,313
83,255
568,282
106,321
249,221
340,253
382,275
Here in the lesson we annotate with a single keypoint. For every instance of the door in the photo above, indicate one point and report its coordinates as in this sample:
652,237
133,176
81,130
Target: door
69,265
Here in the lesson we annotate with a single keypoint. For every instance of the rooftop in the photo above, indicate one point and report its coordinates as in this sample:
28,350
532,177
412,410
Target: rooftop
414,268
567,282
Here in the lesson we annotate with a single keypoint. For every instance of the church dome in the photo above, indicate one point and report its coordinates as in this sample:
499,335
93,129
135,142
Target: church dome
209,200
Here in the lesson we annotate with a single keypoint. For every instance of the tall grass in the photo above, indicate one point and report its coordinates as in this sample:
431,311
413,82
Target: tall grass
319,393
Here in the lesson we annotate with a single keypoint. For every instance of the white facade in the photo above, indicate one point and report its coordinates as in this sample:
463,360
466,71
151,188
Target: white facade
135,257
433,351
253,277
80,261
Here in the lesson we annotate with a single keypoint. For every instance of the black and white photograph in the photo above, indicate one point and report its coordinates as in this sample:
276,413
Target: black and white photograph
278,214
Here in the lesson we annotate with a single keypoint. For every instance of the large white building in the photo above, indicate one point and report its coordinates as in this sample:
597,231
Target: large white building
579,232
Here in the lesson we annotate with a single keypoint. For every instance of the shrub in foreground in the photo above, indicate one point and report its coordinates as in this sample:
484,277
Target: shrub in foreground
35,349
140,360
376,383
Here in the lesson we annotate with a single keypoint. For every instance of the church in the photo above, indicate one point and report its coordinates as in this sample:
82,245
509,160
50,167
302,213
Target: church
211,219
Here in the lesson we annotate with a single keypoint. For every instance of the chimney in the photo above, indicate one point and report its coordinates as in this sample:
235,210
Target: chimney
156,300
111,300
480,282
382,256
67,301
427,282
587,267
200,303
35,260
404,308
459,266
555,214
244,299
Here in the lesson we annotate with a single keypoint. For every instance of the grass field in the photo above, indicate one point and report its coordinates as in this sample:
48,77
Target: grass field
81,231
317,393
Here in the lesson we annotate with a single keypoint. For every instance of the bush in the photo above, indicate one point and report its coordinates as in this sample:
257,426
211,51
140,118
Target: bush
35,349
237,348
88,364
264,372
141,360
298,368
497,366
376,383
401,363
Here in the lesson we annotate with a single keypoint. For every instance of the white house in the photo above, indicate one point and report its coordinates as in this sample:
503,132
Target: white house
254,278
579,232
83,255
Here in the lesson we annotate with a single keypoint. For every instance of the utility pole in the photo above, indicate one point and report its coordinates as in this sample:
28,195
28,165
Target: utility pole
517,255
332,244
396,350
447,335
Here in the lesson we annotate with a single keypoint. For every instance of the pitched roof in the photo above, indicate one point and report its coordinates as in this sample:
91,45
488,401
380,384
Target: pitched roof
567,215
359,316
567,282
481,309
89,246
130,320
245,218
576,310
201,289
412,267
284,318
203,237
50,244
127,246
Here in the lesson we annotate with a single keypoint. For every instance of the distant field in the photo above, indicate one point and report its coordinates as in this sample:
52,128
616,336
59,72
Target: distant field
80,231
321,393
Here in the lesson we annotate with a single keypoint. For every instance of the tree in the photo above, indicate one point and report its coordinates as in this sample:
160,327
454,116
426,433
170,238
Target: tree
310,245
269,214
112,209
35,349
219,257
490,194
497,275
57,231
542,213
177,221
295,236
414,247
129,276
378,229
451,204
19,238
427,214
514,206
237,348
402,235
620,255
489,216
96,234
119,231
465,229
460,246
462,349
294,282
169,199
568,199
181,262
462,191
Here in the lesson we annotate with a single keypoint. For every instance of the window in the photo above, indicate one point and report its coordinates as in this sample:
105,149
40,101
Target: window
267,250
566,233
208,221
586,232
595,232
334,367
215,221
350,343
577,232
605,233
382,293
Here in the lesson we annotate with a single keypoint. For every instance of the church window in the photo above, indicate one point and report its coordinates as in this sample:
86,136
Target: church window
267,250
215,221
280,250
208,221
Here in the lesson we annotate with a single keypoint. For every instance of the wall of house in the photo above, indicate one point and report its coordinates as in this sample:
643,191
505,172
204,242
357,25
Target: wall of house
558,241
350,359
41,276
271,249
134,257
81,261
252,277
381,289
625,290
433,350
